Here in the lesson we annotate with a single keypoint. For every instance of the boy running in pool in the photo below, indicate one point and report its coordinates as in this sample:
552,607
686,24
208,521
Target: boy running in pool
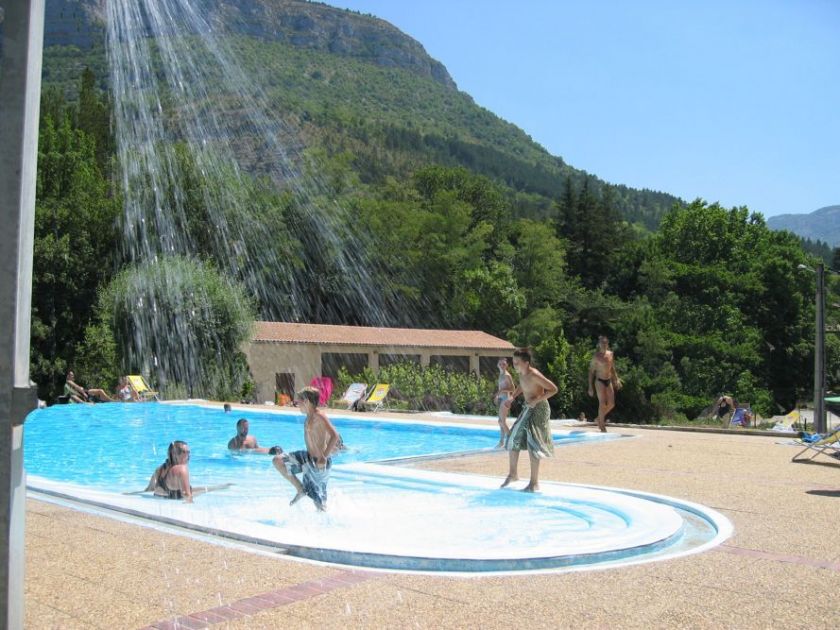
313,464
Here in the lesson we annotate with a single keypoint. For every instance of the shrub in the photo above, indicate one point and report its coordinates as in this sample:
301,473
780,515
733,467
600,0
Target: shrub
430,388
180,322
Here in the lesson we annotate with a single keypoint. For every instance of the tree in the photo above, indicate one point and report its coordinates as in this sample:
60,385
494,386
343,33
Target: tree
182,322
74,244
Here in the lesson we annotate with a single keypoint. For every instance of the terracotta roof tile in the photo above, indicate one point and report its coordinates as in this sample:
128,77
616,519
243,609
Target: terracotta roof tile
283,332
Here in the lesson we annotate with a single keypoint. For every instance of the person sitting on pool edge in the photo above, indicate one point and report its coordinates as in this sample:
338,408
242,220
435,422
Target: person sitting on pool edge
78,394
244,442
315,462
171,480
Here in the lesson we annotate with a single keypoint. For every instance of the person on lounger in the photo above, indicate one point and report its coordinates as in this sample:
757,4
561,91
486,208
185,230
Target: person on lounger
125,392
79,394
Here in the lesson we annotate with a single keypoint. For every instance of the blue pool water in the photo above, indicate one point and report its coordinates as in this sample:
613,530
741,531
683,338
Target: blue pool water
117,446
382,516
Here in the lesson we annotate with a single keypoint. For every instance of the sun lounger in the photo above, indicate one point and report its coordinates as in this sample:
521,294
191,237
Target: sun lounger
354,394
739,417
139,385
786,423
828,445
377,397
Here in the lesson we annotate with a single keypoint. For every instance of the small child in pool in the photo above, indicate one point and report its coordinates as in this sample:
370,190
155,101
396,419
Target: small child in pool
315,462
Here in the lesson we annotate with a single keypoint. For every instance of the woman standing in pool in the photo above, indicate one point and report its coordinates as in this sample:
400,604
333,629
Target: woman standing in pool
604,380
506,388
532,429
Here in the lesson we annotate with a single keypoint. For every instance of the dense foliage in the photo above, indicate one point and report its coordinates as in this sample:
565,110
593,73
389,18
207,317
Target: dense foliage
712,301
431,388
75,231
389,120
193,341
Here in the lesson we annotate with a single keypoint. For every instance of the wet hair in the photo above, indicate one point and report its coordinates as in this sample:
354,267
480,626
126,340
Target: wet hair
226,407
175,448
240,421
311,394
523,354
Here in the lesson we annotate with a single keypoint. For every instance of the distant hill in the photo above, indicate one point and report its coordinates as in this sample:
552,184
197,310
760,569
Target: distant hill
354,83
820,225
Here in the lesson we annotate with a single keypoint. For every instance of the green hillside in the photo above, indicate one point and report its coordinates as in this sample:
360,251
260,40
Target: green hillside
423,210
349,82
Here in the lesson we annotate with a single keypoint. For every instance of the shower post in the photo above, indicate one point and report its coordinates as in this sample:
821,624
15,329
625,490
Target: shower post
22,28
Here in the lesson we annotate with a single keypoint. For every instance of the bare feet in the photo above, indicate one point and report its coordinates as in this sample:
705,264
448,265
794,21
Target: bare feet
297,498
531,488
508,481
501,443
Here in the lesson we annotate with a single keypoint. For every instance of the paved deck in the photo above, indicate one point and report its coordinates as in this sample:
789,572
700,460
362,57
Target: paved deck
780,569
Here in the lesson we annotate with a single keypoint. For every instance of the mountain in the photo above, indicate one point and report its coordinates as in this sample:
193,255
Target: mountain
355,84
822,224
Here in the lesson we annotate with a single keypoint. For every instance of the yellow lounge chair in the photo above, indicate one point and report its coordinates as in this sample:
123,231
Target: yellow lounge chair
829,445
139,384
377,397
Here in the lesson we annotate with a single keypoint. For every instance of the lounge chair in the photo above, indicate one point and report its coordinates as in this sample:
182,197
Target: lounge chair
354,394
828,445
377,397
324,385
786,423
141,387
741,416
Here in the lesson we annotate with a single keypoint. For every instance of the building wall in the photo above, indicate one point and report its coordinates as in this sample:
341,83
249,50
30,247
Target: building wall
304,360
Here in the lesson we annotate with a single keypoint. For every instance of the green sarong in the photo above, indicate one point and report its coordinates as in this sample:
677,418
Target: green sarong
532,431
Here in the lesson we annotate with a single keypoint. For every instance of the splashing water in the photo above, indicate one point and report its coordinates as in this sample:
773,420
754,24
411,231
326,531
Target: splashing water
188,123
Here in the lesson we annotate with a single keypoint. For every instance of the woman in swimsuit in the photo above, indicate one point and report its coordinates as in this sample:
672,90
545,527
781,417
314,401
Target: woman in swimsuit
603,378
506,388
125,392
171,480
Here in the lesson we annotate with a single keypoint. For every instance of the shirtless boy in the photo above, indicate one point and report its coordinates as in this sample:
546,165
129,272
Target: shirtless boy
313,464
604,380
532,429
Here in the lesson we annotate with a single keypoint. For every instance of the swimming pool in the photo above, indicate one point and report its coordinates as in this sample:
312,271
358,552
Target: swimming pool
382,516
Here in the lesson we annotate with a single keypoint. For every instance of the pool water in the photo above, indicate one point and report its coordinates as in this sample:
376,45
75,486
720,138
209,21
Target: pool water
383,516
117,446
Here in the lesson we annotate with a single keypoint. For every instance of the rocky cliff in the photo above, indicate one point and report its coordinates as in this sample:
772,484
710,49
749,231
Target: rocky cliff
297,22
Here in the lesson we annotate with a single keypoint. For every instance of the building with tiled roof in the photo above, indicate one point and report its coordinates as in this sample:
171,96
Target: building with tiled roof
285,356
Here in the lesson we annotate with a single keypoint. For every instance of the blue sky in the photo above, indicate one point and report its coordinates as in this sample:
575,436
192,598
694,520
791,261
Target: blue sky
732,101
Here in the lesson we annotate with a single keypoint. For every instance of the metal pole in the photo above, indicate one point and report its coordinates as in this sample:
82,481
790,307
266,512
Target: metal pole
819,354
22,24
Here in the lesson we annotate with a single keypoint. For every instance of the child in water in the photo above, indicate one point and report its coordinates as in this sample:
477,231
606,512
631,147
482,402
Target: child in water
313,465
